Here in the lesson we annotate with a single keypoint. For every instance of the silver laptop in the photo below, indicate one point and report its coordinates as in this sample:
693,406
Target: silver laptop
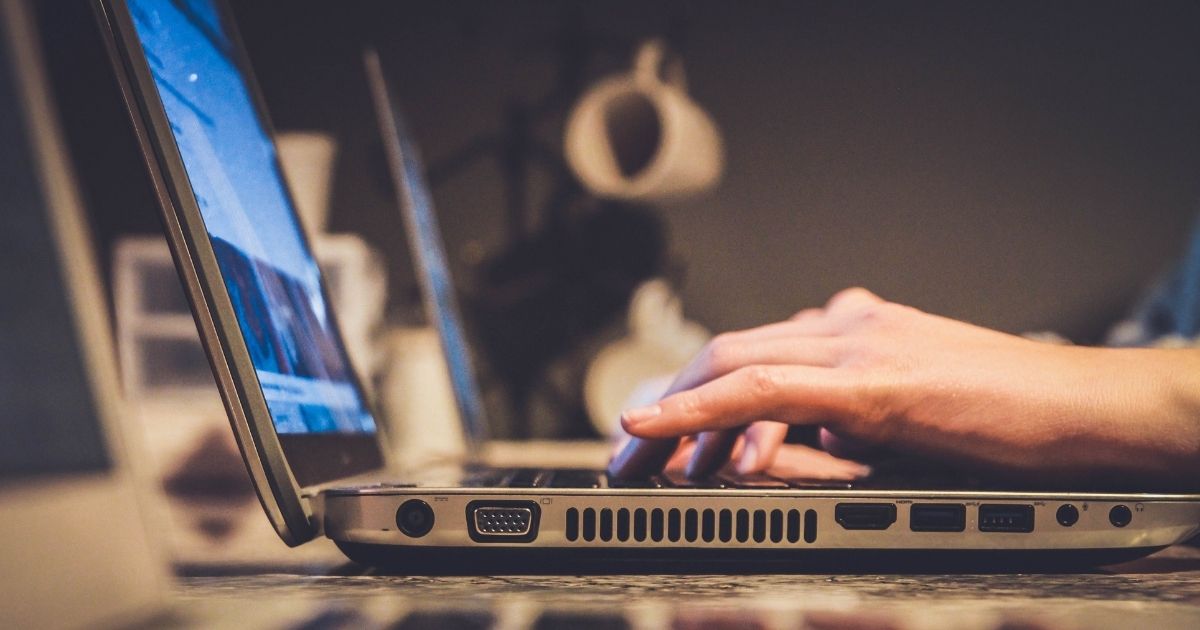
313,447
68,502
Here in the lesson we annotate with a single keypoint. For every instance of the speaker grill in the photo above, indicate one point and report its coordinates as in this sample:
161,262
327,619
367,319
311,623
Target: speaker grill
691,525
656,525
622,524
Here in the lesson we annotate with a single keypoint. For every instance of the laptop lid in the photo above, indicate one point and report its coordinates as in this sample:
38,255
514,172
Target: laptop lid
425,241
69,514
299,414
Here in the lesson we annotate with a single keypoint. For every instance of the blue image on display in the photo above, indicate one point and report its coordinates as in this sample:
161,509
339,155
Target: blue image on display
272,278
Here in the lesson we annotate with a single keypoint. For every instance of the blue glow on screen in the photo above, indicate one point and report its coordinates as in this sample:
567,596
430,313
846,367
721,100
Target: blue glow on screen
272,278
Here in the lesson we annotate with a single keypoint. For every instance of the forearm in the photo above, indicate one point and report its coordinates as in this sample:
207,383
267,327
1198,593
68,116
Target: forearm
1144,419
1177,421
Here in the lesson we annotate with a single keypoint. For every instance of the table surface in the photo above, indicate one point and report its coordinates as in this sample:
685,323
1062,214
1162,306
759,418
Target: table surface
1161,591
1155,593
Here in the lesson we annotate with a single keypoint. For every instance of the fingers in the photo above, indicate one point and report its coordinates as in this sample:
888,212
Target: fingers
739,378
792,394
679,460
730,354
760,443
847,447
763,440
713,449
796,461
641,458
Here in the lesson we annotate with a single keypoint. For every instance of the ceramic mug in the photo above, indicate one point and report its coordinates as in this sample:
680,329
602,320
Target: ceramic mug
638,136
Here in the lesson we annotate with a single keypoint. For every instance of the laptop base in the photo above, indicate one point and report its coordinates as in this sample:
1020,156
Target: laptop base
562,561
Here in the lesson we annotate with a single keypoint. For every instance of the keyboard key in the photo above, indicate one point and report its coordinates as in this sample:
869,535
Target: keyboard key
568,478
754,481
485,478
528,478
335,619
717,620
680,480
635,484
581,621
446,620
802,483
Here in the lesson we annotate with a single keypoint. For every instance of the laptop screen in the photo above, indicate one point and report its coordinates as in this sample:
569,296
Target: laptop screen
48,422
272,277
425,239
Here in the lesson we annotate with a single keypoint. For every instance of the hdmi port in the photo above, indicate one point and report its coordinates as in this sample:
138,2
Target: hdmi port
865,515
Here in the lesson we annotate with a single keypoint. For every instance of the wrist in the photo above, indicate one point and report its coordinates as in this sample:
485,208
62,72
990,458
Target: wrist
1157,413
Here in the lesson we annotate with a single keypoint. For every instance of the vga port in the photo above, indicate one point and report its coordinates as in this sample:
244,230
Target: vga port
503,521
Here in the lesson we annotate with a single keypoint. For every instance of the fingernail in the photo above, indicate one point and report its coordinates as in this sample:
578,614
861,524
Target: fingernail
641,414
861,470
749,457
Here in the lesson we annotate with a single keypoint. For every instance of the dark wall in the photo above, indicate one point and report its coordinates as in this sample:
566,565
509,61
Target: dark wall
1020,164
1024,165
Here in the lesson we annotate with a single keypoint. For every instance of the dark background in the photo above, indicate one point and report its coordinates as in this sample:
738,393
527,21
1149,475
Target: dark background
1021,165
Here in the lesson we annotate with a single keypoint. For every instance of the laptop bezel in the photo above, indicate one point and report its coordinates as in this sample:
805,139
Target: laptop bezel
280,481
62,524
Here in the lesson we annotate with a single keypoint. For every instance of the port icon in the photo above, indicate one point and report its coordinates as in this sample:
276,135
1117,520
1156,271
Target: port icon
503,521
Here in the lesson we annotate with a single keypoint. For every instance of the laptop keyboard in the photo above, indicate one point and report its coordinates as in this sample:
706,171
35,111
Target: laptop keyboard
585,479
885,477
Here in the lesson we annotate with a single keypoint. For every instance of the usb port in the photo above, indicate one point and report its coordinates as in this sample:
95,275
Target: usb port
1006,518
937,517
865,515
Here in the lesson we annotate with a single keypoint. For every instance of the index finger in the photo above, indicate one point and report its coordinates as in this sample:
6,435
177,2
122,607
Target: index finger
642,457
792,394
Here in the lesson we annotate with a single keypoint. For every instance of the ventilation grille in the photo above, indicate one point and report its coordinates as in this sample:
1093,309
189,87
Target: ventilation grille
704,526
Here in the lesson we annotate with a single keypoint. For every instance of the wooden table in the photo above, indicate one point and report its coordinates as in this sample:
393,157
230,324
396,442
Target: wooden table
1156,593
288,586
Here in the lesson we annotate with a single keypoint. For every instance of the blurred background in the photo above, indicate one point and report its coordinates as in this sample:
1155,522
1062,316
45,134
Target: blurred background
1020,165
1027,166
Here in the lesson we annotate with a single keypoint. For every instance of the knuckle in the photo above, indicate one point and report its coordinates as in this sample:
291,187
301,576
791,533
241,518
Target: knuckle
859,353
880,314
689,403
763,380
852,293
721,353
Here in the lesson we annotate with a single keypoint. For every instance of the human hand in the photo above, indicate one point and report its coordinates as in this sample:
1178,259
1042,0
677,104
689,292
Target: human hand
876,374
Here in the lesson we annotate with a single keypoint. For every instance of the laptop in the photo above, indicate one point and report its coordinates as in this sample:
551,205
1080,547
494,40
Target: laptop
68,498
80,546
77,546
315,451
